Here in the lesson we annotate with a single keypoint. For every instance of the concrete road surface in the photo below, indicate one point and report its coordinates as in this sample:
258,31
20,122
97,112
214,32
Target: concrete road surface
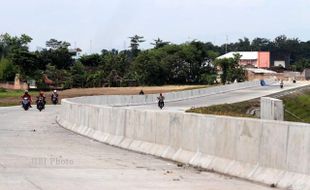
37,154
228,97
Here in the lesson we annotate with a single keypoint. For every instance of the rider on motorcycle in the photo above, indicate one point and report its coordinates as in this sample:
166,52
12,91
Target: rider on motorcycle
27,95
281,84
41,94
161,99
54,94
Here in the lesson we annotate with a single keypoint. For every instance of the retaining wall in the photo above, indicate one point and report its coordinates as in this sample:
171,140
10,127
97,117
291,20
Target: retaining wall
272,152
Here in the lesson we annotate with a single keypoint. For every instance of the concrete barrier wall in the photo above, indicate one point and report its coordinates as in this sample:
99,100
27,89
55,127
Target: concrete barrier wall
271,152
119,100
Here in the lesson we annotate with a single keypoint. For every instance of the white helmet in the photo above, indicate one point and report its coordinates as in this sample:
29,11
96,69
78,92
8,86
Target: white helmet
55,91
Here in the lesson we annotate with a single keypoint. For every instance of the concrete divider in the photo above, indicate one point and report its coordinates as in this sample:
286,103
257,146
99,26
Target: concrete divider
118,100
271,152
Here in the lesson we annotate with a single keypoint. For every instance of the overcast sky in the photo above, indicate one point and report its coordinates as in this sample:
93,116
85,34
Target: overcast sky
109,23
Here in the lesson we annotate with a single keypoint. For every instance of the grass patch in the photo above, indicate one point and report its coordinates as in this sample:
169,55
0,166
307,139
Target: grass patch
14,93
296,105
237,109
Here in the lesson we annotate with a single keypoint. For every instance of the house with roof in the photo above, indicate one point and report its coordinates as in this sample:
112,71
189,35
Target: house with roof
257,59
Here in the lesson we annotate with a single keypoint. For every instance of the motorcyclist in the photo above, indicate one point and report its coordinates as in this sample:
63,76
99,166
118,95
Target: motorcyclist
281,84
27,95
161,97
54,94
41,94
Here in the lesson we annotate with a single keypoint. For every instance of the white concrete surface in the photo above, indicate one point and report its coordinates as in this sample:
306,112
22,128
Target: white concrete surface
271,109
220,98
52,158
258,150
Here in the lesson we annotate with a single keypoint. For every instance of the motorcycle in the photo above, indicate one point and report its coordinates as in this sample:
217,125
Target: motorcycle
161,104
26,103
54,100
281,84
40,104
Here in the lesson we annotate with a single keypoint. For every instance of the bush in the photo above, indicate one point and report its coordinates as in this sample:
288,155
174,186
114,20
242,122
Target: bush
208,79
7,70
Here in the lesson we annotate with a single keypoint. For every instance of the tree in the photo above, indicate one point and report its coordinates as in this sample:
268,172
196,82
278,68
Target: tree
158,43
16,50
55,44
135,43
78,75
148,70
92,60
7,70
231,70
301,65
260,44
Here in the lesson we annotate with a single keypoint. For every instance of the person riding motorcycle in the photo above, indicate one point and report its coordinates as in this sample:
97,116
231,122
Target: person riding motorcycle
41,94
281,84
54,95
27,95
161,99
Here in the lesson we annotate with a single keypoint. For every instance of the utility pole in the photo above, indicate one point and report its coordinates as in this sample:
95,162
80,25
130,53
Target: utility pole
226,44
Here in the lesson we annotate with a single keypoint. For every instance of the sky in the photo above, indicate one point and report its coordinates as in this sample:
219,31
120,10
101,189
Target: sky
93,25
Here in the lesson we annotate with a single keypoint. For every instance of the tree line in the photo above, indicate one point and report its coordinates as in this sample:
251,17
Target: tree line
166,63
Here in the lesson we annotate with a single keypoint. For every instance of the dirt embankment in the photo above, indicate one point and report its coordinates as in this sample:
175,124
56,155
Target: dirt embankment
76,92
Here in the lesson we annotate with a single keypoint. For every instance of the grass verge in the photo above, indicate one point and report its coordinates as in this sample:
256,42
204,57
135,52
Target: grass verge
296,105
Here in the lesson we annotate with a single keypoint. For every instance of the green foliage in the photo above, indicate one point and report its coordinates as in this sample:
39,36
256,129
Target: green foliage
7,70
301,65
158,43
94,79
92,60
135,43
55,44
297,106
61,58
78,75
166,63
231,70
61,77
207,78
237,109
